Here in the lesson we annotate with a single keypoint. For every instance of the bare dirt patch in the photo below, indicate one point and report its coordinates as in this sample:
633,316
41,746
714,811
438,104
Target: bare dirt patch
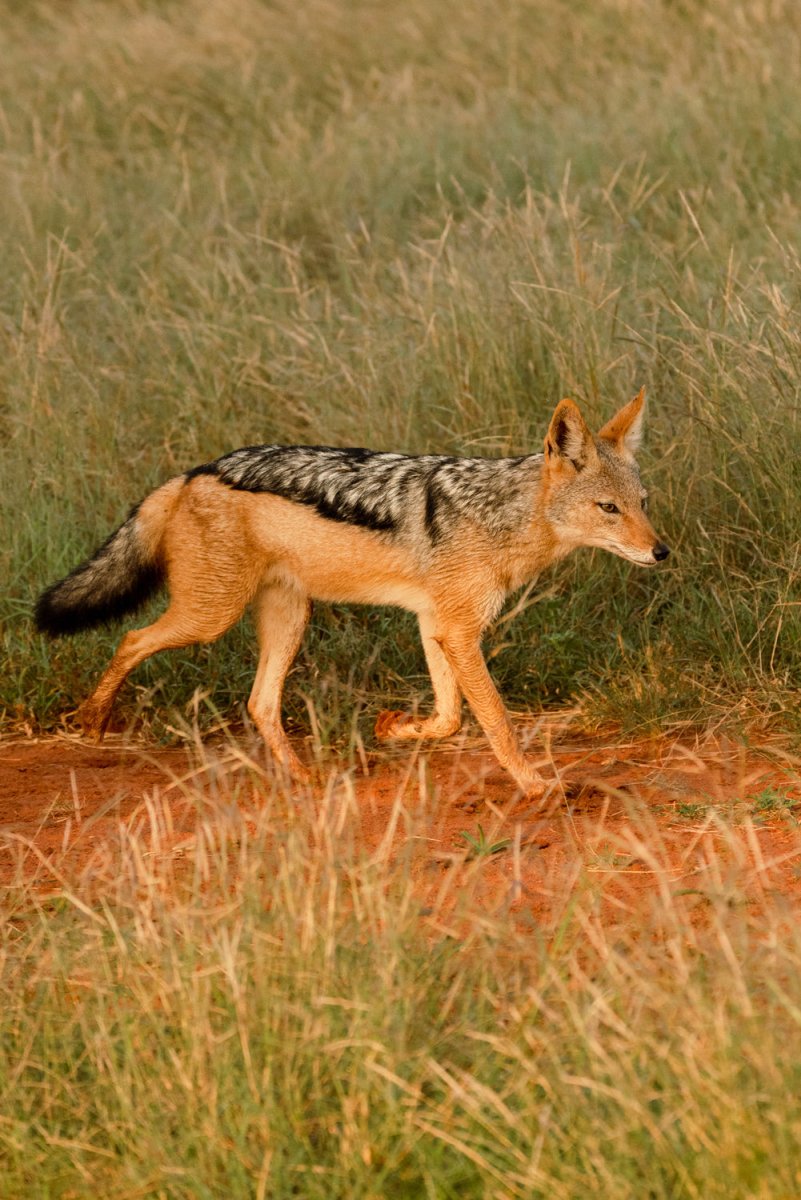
703,818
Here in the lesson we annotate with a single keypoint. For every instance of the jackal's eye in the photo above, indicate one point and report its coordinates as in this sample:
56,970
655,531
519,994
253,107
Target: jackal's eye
608,506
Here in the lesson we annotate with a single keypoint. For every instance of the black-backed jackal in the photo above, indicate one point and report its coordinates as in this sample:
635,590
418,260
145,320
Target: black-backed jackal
280,526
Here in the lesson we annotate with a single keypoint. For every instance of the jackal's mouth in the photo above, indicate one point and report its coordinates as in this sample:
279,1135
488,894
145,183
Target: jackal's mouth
643,558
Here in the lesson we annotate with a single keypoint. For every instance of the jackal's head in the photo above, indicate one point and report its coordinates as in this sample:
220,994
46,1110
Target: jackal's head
591,485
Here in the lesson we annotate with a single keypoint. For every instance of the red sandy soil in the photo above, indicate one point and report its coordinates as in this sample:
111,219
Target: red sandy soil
699,817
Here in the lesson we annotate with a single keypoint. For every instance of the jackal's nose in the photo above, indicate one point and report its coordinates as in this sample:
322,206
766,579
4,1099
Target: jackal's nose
660,551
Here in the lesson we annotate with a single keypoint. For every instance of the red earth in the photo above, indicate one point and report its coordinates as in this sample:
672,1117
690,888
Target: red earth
697,815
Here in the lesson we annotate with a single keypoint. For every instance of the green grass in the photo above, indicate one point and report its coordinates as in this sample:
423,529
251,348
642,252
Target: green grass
767,805
480,846
235,222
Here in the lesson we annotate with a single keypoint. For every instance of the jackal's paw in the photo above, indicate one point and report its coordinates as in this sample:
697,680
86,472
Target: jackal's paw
531,784
402,725
299,772
393,724
286,761
92,720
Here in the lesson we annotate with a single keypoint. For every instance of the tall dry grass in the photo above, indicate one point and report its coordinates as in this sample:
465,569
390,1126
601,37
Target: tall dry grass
265,1008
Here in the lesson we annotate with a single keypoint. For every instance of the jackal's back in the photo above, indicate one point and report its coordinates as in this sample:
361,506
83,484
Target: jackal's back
382,491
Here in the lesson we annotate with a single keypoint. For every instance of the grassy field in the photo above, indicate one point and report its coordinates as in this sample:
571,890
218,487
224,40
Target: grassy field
415,227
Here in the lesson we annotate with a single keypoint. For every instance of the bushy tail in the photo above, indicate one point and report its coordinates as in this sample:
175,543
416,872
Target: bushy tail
125,572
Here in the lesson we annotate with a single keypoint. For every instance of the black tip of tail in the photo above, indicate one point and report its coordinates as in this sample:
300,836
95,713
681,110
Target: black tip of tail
46,616
57,614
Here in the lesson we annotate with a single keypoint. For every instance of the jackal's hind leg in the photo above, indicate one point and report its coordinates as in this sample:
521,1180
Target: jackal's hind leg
178,626
447,715
281,614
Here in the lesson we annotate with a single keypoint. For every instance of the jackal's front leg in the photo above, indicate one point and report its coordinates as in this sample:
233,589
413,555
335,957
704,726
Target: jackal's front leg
463,651
447,715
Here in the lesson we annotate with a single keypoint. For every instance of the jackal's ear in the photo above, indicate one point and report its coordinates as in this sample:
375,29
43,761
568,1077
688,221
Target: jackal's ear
625,428
568,438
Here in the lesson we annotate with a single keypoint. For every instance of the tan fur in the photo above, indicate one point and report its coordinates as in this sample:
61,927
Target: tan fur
225,549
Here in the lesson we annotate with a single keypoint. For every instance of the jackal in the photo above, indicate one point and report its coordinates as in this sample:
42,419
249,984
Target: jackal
279,526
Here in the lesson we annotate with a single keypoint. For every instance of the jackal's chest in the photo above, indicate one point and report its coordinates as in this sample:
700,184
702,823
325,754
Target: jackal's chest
523,559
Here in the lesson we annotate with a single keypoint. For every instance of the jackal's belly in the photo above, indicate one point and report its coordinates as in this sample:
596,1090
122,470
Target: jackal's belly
336,589
336,561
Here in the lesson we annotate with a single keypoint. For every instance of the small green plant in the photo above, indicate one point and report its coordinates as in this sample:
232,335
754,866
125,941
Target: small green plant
691,811
771,802
481,846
